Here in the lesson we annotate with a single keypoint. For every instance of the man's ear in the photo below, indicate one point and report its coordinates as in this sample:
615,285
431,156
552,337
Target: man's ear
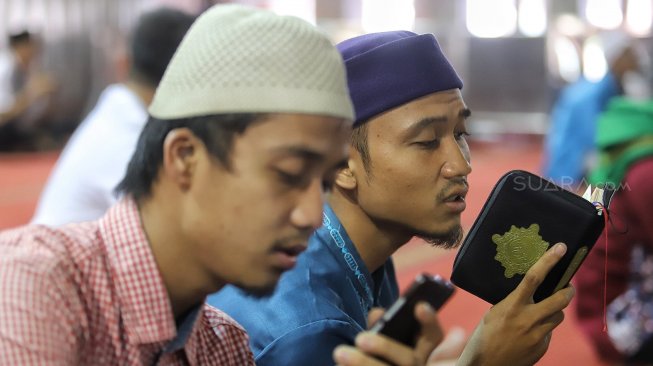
345,177
180,153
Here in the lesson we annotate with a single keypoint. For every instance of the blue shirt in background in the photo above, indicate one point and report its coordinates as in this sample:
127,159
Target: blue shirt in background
321,303
570,141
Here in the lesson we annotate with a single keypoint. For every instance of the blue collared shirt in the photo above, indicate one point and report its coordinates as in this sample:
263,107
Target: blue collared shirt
323,302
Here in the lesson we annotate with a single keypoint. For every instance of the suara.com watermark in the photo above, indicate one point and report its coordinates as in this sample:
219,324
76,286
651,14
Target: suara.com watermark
566,183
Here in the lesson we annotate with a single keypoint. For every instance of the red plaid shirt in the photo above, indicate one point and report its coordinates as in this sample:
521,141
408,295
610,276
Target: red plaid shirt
91,294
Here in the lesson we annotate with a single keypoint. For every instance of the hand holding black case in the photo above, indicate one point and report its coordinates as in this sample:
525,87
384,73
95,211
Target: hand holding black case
523,217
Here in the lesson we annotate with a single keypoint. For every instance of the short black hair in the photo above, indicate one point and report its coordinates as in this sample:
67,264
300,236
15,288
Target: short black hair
359,142
217,132
154,41
19,38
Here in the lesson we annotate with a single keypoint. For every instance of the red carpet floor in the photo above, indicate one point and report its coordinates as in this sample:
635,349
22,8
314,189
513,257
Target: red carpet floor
22,177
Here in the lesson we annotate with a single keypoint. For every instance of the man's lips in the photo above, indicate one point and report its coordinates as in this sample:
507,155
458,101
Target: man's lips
457,195
285,257
455,200
292,250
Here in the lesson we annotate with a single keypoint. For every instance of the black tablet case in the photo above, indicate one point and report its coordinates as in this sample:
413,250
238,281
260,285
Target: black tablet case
520,207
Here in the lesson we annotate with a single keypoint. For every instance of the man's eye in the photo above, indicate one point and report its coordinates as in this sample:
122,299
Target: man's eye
290,179
461,135
430,144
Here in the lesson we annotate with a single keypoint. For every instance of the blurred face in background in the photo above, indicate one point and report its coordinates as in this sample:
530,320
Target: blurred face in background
26,52
633,71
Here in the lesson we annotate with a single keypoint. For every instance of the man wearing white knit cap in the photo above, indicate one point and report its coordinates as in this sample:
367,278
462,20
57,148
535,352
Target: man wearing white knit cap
246,129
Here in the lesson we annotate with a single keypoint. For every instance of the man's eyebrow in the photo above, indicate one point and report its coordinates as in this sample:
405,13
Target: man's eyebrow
422,124
301,152
313,157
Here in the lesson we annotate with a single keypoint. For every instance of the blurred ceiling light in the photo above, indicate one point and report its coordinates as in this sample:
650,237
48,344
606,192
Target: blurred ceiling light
639,14
567,58
532,17
594,64
606,14
304,9
491,19
387,15
570,25
15,16
38,14
190,6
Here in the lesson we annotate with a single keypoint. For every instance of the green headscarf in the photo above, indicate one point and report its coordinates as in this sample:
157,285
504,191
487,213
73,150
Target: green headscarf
624,136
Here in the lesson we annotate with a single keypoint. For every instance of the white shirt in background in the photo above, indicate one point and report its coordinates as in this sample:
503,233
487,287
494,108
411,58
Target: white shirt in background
82,182
7,65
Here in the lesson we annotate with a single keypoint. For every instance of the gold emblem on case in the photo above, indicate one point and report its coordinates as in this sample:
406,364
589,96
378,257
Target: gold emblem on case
519,248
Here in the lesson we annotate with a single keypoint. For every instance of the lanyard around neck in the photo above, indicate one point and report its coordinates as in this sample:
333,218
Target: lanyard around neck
339,241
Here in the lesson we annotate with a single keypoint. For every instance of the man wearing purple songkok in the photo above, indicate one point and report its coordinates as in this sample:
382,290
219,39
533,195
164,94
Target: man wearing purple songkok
406,176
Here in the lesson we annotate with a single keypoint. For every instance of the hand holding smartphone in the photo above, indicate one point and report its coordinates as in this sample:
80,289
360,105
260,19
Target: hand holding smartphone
399,321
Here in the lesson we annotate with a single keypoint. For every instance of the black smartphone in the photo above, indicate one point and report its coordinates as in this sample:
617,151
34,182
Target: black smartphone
399,321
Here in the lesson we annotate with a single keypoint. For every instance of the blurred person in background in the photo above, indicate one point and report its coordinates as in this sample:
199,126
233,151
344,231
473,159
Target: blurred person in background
82,183
25,93
625,143
569,149
246,131
406,176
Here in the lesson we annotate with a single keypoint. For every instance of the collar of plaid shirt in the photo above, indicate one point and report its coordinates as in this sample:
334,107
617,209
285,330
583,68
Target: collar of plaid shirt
144,301
145,305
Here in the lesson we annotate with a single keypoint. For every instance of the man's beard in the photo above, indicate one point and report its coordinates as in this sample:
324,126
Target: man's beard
447,240
257,291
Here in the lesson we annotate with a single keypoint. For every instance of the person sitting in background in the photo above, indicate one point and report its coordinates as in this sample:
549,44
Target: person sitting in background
406,176
82,182
569,145
625,142
246,131
24,93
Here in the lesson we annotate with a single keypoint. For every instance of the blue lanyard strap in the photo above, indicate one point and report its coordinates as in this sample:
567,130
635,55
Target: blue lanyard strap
351,263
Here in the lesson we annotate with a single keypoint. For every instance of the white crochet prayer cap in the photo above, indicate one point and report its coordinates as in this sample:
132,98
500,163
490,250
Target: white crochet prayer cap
239,59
